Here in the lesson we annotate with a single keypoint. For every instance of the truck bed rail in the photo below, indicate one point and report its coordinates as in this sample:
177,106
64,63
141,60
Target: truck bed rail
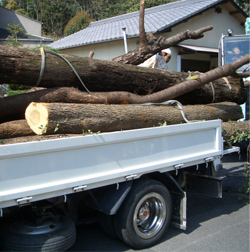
39,170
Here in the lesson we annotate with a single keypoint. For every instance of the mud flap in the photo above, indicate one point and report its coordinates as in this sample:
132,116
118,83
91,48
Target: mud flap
179,215
203,184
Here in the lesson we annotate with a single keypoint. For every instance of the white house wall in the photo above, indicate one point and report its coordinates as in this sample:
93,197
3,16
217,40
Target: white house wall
221,22
104,51
29,25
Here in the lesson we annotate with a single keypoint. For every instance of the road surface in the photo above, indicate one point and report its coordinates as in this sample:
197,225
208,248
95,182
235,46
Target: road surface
213,224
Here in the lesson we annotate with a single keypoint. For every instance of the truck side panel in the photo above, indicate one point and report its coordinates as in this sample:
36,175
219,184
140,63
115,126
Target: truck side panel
56,167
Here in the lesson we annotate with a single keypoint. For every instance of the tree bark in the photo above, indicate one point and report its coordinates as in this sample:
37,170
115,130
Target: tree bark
15,128
143,53
224,89
20,128
231,128
22,66
47,118
143,37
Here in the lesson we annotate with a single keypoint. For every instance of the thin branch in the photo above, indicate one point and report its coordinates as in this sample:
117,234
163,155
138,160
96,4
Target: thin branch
141,54
141,24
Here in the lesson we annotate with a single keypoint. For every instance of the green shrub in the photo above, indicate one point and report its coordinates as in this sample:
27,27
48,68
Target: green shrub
46,47
15,92
80,21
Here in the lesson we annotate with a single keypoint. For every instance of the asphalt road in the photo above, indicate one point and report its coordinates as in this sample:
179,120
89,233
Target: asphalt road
213,224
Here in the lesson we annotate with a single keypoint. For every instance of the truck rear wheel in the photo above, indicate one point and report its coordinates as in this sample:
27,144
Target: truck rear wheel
144,215
56,234
107,224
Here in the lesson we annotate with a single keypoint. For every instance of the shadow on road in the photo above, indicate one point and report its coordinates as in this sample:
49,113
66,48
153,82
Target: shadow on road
200,209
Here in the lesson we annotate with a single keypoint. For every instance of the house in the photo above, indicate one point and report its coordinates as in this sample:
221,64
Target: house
32,27
106,37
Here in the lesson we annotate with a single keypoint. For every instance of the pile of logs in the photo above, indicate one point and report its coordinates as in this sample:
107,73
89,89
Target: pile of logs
113,95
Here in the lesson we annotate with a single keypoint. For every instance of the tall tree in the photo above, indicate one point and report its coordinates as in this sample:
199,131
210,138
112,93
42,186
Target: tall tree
80,21
55,15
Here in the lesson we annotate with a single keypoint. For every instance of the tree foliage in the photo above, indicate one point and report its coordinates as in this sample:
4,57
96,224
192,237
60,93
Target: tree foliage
80,21
244,4
57,14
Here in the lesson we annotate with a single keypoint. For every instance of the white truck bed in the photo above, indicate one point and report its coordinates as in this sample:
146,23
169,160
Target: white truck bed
39,170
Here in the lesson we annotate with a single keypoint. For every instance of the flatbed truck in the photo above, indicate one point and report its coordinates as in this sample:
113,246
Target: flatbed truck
133,182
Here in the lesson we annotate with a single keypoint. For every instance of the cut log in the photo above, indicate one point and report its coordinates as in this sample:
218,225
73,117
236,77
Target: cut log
22,66
15,128
224,89
233,127
47,118
19,131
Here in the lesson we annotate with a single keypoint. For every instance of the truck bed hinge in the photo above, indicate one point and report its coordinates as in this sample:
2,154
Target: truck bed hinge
79,188
178,166
24,200
131,177
209,159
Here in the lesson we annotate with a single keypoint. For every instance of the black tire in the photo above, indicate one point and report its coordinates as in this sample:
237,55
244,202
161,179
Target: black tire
51,235
145,214
107,224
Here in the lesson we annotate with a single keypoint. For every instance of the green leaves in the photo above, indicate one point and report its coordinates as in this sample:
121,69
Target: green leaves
16,31
163,124
90,132
239,136
56,15
80,21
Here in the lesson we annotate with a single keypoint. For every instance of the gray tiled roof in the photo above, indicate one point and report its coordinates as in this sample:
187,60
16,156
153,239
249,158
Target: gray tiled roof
156,19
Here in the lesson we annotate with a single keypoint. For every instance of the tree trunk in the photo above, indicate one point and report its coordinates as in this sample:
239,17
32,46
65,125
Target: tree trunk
15,128
220,91
20,128
143,37
143,53
47,118
22,66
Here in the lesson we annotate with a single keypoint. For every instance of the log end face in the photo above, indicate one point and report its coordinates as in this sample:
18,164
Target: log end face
36,116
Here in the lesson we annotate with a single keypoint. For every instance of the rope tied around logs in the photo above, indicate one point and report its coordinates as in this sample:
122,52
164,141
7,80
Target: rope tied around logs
43,53
197,76
171,103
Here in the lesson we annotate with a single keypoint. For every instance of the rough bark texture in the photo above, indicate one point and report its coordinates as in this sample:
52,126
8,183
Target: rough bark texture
15,128
19,131
202,79
143,37
141,54
47,118
224,89
20,66
231,128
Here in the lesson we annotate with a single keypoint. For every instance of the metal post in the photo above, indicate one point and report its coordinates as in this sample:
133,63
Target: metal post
125,39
